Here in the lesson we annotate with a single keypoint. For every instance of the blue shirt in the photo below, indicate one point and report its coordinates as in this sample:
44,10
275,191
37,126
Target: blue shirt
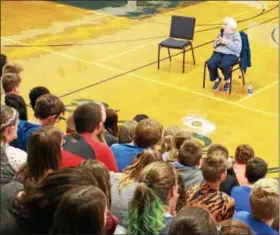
241,196
124,154
24,131
257,226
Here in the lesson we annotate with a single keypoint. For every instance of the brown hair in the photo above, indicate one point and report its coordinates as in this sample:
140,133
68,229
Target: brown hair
193,220
190,153
87,117
181,136
179,139
9,117
42,200
213,166
12,68
102,176
48,105
127,132
256,168
111,122
132,172
145,213
148,133
43,154
264,199
232,227
220,148
10,81
243,153
80,211
168,144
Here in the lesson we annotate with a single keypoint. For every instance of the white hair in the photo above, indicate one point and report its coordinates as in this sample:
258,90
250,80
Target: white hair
230,22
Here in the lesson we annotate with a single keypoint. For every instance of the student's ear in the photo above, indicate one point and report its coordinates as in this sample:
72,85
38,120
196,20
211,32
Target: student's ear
224,176
99,127
52,119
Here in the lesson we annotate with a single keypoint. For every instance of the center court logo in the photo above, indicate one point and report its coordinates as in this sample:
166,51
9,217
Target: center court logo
198,124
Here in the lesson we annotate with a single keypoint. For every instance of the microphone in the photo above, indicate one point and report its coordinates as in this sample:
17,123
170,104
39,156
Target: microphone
222,32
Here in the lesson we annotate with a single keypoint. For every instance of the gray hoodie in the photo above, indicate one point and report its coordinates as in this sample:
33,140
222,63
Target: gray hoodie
190,174
234,45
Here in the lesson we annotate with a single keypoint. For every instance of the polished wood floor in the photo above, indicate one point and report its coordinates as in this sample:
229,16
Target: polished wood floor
95,54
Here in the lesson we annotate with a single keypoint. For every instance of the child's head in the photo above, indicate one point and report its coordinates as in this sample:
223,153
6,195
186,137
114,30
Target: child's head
127,132
214,166
157,190
190,153
8,122
11,83
81,210
264,199
243,153
12,68
256,168
233,227
168,143
194,221
35,93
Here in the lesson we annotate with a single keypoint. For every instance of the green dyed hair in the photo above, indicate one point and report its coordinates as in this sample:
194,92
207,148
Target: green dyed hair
146,210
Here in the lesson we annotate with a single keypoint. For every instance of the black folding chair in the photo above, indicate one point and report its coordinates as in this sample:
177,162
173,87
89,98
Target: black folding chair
181,36
234,67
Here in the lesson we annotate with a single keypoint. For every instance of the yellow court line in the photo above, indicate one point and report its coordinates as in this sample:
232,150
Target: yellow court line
257,92
151,80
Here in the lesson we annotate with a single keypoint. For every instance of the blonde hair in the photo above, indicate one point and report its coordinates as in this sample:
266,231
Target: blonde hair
264,199
171,130
12,68
132,172
70,124
168,144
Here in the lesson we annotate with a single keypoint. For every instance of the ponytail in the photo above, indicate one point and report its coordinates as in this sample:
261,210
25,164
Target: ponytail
145,213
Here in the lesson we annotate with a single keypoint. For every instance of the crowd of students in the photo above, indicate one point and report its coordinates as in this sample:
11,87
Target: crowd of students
96,177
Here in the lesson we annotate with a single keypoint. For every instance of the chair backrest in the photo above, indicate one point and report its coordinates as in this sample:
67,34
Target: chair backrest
182,27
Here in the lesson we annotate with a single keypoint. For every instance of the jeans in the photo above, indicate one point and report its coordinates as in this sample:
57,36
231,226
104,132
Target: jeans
222,61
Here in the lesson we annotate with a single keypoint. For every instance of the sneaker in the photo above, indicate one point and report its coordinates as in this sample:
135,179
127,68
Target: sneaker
217,85
226,87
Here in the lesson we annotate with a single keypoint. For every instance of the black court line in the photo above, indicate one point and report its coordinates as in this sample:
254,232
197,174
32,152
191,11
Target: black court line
239,21
263,12
273,35
151,63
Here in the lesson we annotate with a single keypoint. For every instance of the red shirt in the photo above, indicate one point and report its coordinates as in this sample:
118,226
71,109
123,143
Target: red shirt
102,153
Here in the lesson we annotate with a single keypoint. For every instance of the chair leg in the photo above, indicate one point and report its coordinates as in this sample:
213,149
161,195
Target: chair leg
159,47
230,80
242,74
193,54
184,53
169,54
204,75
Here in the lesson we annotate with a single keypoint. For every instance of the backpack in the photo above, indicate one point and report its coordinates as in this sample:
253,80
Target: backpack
76,144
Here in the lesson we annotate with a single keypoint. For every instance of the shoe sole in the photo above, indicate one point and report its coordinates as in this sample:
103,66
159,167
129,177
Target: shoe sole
217,88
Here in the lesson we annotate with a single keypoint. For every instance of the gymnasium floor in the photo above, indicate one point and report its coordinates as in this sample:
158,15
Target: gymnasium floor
108,52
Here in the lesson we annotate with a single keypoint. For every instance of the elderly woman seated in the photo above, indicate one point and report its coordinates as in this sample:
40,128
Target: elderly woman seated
226,53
